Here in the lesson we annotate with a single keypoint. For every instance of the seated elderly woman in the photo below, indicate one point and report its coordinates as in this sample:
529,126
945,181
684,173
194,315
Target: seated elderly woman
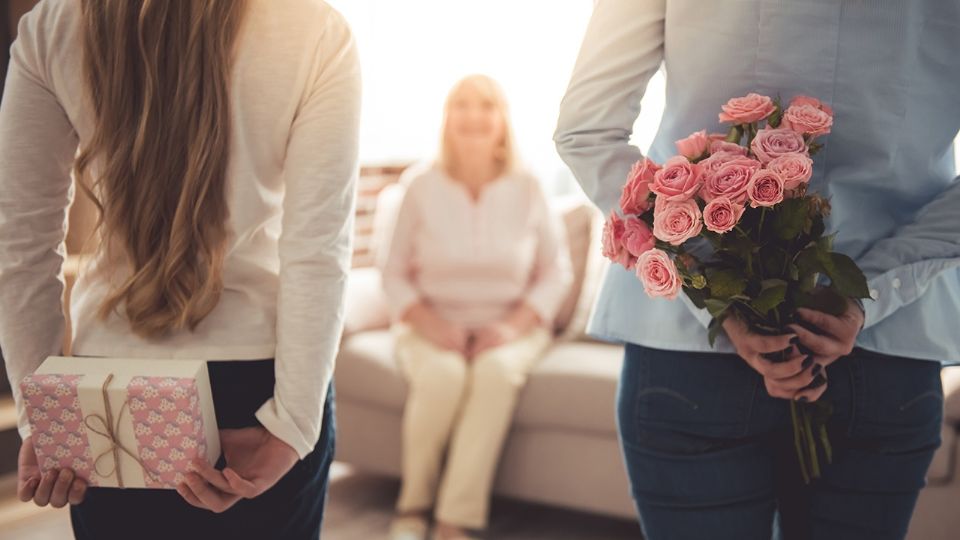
476,268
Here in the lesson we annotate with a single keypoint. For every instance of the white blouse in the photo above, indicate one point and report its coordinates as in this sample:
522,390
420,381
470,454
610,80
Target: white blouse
295,99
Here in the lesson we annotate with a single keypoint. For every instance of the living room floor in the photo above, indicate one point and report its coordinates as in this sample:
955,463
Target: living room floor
359,508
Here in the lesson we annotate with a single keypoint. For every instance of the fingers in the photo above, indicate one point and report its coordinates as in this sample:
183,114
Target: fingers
192,500
815,390
779,370
78,491
788,388
240,485
769,344
210,497
61,488
27,490
824,321
824,346
210,474
45,488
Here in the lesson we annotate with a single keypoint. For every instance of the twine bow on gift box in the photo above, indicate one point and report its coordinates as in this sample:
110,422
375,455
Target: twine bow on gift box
110,431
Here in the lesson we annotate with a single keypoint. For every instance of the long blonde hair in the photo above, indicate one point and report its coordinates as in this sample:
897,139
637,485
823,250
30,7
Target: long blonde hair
506,154
157,74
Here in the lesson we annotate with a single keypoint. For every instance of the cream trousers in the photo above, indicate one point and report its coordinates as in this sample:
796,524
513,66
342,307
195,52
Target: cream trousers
466,406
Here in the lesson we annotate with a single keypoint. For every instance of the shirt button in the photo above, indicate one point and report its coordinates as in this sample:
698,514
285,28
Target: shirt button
874,294
896,283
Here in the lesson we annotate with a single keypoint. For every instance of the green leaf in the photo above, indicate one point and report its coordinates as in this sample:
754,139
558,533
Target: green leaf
714,329
790,217
697,296
772,293
825,243
716,307
817,226
847,277
827,300
772,260
774,119
725,283
810,261
735,134
793,271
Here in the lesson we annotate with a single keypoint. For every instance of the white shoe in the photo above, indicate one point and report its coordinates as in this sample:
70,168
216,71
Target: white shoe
409,528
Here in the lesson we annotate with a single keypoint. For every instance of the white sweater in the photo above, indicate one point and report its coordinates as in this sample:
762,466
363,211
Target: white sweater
295,100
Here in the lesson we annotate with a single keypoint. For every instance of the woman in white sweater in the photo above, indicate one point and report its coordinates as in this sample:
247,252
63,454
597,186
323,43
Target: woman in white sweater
476,269
219,139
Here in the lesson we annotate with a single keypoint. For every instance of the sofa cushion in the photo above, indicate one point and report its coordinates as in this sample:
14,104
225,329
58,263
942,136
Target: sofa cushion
367,372
573,386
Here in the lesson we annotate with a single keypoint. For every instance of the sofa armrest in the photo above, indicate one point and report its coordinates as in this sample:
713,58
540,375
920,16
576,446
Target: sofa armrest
365,303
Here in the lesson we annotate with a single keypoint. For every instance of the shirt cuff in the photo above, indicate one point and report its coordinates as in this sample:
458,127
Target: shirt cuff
281,425
24,431
899,287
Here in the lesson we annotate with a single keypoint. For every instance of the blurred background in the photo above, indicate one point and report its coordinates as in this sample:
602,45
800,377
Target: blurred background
412,52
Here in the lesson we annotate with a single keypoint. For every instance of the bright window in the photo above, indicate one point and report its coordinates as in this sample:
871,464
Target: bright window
414,50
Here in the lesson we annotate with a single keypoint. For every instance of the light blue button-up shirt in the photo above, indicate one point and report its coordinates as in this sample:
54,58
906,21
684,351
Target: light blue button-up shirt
891,71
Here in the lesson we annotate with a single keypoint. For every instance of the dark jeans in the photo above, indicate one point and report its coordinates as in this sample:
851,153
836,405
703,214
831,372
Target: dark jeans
292,509
710,454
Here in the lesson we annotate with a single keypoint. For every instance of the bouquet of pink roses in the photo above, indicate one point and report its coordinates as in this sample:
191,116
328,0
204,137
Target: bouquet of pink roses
729,222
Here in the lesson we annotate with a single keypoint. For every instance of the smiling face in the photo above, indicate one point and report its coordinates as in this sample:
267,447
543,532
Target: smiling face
476,122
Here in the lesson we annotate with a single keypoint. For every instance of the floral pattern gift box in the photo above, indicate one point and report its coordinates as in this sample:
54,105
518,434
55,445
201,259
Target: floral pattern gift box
128,423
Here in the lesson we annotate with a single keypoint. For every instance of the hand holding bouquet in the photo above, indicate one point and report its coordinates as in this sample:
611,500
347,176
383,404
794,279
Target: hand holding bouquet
730,223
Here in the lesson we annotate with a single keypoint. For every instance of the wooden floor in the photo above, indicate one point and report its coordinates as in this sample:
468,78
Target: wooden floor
359,508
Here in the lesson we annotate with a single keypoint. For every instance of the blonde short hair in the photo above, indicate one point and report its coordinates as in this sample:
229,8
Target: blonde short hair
506,154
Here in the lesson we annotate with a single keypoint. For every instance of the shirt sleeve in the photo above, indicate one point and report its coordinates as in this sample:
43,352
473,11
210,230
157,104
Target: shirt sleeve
37,148
622,49
397,263
320,173
901,267
552,274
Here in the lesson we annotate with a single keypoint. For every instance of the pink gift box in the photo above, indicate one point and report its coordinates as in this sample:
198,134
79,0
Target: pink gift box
121,422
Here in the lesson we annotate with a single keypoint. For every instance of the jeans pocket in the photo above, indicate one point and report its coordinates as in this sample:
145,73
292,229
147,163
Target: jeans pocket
699,394
898,401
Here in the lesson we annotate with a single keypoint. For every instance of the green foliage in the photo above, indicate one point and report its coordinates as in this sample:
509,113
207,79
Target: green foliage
725,282
772,293
790,217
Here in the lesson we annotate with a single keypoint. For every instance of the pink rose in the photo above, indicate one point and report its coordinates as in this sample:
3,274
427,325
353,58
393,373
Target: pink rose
633,199
727,147
730,180
795,169
814,102
717,160
765,189
693,146
747,109
637,237
807,119
722,215
659,274
678,179
613,248
770,144
676,222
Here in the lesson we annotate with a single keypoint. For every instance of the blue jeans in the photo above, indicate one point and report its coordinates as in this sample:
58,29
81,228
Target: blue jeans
291,510
710,454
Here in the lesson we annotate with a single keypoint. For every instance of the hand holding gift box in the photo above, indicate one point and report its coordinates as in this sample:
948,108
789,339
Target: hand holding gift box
122,422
